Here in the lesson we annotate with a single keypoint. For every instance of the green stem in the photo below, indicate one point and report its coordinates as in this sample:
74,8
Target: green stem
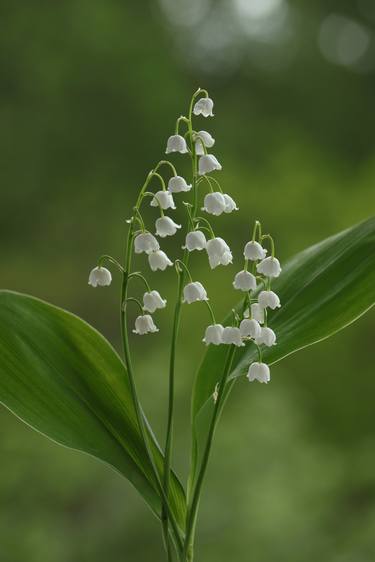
192,513
133,389
175,330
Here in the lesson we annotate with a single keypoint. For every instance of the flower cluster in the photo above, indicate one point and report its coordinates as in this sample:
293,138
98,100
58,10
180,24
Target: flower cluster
258,271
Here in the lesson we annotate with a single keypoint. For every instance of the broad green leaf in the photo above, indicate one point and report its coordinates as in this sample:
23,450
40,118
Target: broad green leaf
61,377
322,290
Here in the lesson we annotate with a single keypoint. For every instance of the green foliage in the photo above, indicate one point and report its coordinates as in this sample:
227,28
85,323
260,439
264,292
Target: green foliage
322,290
61,377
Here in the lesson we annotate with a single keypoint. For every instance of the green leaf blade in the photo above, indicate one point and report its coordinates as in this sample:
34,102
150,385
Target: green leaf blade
322,290
61,377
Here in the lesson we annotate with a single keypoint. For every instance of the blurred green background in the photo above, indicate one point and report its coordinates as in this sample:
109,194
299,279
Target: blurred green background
90,91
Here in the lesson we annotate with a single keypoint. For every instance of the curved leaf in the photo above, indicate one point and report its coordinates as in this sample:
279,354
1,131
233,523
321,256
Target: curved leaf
63,378
322,290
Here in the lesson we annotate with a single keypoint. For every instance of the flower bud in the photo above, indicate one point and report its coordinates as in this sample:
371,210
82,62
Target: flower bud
165,226
194,292
176,143
204,106
245,281
177,184
260,372
195,240
232,335
159,260
268,299
203,139
145,242
257,312
144,325
270,267
100,276
163,199
250,328
208,163
218,252
213,334
230,204
266,337
214,203
153,301
254,251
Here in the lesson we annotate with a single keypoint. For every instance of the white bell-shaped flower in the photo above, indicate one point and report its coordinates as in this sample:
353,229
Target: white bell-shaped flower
165,226
230,204
266,337
145,242
100,276
250,328
176,143
257,312
254,251
144,324
163,199
259,372
159,260
203,139
214,203
214,334
245,281
194,292
195,240
269,299
208,163
177,184
204,106
232,335
270,267
218,252
152,301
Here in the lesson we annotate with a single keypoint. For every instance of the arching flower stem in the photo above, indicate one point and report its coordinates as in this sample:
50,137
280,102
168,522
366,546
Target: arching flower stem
140,276
269,237
133,299
210,311
180,264
205,221
165,163
150,194
105,257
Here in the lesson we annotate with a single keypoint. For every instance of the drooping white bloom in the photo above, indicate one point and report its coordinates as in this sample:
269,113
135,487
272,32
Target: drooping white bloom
165,226
163,199
204,106
257,312
245,281
145,242
266,337
250,328
254,251
269,299
218,252
214,203
208,163
159,260
194,292
232,335
203,139
230,204
213,334
152,301
100,276
195,240
144,324
177,184
270,267
176,143
259,372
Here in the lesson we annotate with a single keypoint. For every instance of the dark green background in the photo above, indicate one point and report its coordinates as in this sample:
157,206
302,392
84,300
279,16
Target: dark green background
90,91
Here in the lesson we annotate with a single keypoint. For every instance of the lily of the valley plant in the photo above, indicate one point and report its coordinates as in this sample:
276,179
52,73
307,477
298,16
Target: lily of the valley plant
64,379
